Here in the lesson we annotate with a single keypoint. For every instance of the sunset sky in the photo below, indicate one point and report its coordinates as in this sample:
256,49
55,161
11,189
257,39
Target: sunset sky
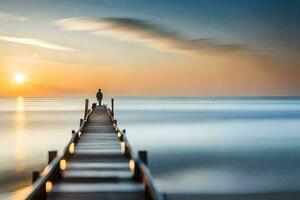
150,48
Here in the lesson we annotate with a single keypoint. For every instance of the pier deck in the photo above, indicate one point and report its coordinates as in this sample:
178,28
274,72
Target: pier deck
98,163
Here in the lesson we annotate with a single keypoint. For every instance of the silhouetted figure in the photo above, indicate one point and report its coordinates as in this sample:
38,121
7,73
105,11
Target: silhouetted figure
99,96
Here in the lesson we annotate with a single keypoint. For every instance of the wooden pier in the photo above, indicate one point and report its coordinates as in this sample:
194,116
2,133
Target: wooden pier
97,163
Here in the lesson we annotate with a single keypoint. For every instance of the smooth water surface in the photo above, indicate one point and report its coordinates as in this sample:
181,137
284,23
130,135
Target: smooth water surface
29,128
195,145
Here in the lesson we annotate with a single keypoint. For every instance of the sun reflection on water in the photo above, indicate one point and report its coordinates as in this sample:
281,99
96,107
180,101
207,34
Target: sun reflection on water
19,133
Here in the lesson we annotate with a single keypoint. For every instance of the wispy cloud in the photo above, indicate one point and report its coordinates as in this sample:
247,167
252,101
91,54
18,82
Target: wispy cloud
35,60
5,15
45,61
35,42
147,34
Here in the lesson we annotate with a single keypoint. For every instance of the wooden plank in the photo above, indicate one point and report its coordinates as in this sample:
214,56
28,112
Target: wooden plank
98,187
105,174
104,130
99,139
97,165
101,159
108,141
108,135
97,196
99,144
99,152
98,148
100,133
96,143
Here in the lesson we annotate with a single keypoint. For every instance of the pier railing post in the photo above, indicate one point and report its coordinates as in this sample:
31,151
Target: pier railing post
81,122
35,176
143,156
112,107
51,156
86,107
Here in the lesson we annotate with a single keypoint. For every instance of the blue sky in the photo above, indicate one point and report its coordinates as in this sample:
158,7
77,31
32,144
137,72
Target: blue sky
269,20
263,33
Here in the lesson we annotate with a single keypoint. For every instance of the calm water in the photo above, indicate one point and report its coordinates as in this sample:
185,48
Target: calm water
195,145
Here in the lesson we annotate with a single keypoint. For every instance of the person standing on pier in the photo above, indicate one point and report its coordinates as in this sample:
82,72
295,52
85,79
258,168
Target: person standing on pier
99,96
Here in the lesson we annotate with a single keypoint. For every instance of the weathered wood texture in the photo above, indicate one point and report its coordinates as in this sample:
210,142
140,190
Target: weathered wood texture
99,169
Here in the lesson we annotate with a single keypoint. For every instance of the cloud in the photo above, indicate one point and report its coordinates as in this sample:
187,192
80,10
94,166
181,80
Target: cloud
4,15
36,60
35,42
147,34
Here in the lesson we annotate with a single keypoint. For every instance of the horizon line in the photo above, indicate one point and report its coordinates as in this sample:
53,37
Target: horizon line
170,96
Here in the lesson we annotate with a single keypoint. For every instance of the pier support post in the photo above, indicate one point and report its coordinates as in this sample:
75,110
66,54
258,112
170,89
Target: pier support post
86,108
112,107
165,196
143,156
81,122
51,156
35,176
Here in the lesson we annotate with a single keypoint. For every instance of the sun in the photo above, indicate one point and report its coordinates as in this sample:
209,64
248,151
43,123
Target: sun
19,78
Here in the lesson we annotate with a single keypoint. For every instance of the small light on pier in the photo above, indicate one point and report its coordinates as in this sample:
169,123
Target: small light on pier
132,166
119,135
123,147
48,186
72,148
63,164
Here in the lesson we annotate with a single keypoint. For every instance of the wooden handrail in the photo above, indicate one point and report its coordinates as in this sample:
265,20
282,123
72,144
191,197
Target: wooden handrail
52,172
142,172
147,180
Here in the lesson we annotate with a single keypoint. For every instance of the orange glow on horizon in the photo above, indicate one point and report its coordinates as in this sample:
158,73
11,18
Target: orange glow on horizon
171,77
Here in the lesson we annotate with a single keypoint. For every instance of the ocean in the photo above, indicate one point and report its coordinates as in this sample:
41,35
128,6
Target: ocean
195,145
